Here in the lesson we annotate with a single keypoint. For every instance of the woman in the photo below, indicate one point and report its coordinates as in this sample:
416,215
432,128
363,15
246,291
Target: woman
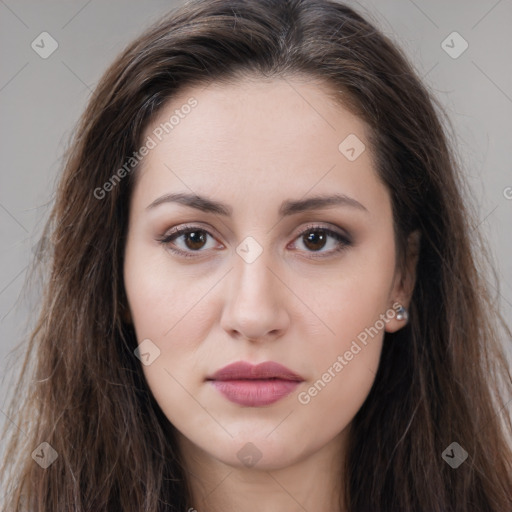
263,291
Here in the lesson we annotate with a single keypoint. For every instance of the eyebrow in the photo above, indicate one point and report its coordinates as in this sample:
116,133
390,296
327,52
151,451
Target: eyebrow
288,207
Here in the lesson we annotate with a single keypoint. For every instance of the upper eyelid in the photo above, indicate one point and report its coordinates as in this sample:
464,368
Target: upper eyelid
183,229
326,227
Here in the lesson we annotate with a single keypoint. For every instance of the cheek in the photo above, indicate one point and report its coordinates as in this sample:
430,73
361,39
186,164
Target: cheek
352,298
165,300
163,308
355,307
174,314
343,367
329,403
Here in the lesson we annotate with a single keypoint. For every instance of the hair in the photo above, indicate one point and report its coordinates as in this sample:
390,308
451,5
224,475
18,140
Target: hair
442,378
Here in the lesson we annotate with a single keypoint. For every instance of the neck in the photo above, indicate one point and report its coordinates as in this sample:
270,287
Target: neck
313,482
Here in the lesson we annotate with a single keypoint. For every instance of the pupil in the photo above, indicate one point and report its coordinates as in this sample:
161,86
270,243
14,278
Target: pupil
196,238
315,236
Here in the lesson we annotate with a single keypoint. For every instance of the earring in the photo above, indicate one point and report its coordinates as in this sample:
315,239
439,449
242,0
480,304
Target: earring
402,314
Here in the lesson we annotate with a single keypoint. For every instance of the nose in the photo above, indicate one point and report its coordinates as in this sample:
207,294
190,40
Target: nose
255,304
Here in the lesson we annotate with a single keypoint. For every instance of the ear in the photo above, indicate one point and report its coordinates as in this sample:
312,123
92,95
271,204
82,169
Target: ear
404,282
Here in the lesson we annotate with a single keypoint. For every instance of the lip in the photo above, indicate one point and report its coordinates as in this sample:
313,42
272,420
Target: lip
255,385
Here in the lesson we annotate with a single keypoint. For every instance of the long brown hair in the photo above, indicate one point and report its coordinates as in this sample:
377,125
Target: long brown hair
442,379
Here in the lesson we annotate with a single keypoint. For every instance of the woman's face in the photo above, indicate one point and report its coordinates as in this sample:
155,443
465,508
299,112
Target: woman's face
269,271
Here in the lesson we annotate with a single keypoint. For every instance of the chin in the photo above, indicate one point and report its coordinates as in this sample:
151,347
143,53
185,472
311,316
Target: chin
259,452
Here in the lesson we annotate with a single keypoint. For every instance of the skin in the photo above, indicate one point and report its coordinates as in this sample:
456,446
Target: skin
253,144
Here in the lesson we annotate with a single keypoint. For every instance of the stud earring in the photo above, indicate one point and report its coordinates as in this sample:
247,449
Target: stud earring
402,314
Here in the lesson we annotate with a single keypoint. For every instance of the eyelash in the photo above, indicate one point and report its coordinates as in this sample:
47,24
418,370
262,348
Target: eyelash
343,240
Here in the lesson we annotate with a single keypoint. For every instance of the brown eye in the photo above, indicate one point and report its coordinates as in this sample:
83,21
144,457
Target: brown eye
186,241
314,240
195,240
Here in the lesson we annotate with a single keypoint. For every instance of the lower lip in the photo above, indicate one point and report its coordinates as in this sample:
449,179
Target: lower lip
255,393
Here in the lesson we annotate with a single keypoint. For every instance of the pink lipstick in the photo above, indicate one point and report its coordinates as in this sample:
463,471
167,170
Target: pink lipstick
255,385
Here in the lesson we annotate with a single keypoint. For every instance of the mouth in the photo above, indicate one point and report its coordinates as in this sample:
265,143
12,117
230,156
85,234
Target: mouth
255,385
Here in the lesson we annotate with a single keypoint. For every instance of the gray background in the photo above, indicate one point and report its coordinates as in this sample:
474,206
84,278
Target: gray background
41,99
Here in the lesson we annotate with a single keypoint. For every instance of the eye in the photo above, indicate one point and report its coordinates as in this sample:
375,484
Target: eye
316,238
193,239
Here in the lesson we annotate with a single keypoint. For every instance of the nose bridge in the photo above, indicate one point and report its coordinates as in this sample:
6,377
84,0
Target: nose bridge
253,278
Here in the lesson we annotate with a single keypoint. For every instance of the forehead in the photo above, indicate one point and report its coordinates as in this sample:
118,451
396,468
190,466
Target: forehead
262,138
274,115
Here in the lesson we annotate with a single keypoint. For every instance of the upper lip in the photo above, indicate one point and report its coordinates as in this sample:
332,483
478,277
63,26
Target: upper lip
243,370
